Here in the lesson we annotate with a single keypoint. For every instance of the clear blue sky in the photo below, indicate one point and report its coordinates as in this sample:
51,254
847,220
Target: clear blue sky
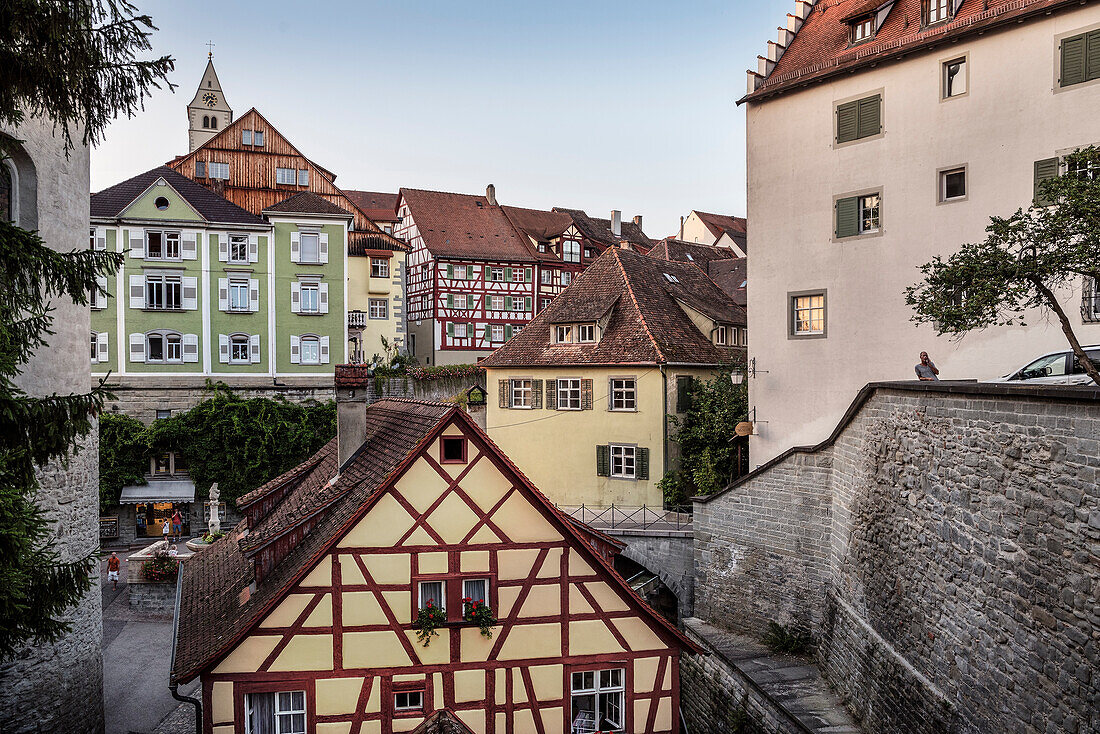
598,105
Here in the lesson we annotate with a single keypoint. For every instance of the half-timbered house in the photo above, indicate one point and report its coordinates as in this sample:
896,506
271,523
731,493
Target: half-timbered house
303,618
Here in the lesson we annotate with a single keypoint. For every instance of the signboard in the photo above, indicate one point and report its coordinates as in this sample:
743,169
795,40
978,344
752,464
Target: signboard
108,527
744,428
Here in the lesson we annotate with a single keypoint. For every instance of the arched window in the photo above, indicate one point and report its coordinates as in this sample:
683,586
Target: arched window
18,186
311,350
213,122
206,121
238,349
163,347
7,193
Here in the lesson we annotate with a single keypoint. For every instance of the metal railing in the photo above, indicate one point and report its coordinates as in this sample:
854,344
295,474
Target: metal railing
625,517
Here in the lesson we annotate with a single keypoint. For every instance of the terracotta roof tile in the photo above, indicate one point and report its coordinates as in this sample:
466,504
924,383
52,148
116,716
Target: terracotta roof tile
465,226
720,224
599,230
732,277
307,202
693,252
110,202
360,242
379,206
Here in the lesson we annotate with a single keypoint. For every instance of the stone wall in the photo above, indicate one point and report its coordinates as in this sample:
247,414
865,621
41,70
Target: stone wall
667,554
942,546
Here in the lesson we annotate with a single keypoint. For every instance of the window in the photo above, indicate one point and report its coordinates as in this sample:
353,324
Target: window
544,302
283,712
459,272
162,245
303,177
808,314
1090,300
496,303
387,228
163,347
404,701
431,592
522,394
954,78
162,292
720,336
953,184
936,11
475,590
206,122
623,462
589,252
459,330
857,215
163,413
586,333
238,349
571,251
569,394
161,203
310,350
542,247
496,275
860,118
624,393
1053,365
219,170
597,702
671,278
311,297
1086,169
1080,58
95,347
460,301
238,248
246,137
310,247
213,122
378,308
547,277
200,169
285,176
238,294
496,332
258,138
379,267
452,450
566,277
563,334
868,213
864,29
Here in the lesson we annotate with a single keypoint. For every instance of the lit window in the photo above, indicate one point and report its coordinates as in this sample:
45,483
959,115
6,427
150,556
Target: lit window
569,394
310,350
586,333
954,78
405,701
238,248
808,314
953,184
571,251
378,308
238,349
624,393
309,247
285,176
868,213
379,267
936,11
218,170
522,393
238,294
310,298
276,713
563,334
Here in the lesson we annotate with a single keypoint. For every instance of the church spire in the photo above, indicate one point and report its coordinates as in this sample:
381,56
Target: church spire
208,112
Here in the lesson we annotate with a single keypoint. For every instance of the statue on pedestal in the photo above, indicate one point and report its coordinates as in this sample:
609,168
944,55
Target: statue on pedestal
214,523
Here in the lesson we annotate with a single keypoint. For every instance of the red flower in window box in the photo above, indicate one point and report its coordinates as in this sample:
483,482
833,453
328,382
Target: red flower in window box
477,611
428,620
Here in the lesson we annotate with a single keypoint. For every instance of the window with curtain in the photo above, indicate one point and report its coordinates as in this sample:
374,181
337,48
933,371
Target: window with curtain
431,591
282,712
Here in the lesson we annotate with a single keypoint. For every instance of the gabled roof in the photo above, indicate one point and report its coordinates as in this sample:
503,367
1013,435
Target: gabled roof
720,224
539,225
645,323
443,721
693,252
307,202
821,49
112,201
465,226
599,230
732,276
379,206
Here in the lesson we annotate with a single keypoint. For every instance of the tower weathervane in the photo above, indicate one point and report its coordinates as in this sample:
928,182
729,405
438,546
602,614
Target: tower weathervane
209,49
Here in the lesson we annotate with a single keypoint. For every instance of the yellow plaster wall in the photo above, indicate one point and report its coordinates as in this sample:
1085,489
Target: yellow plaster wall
606,597
350,575
591,637
374,650
439,651
453,519
638,634
551,567
400,725
474,561
519,691
382,527
552,720
474,719
546,680
516,564
361,607
321,616
337,727
321,575
532,641
432,562
469,685
287,612
485,484
305,652
522,523
249,655
577,603
578,566
645,674
388,568
338,695
475,646
542,601
224,729
421,485
400,603
221,702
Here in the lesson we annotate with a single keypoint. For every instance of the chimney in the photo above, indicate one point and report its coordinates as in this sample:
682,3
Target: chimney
638,221
491,194
352,385
616,223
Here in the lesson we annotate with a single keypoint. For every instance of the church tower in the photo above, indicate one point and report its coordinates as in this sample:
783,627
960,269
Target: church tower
208,112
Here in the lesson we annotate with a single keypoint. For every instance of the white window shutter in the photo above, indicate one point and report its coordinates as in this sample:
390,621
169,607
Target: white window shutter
295,297
137,347
324,350
223,348
323,292
254,349
189,247
101,347
100,292
100,238
223,247
190,347
324,247
253,295
295,350
137,293
253,248
137,244
190,293
223,294
295,247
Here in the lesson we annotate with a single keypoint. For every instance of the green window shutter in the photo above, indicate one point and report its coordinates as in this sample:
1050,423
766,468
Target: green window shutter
508,275
870,117
847,119
507,303
450,329
536,393
507,332
551,394
450,300
527,303
527,276
847,217
487,334
1092,56
1073,60
642,459
450,271
586,394
1044,169
603,461
502,387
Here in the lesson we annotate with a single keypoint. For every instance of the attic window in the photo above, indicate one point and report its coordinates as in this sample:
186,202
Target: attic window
689,257
452,450
937,11
671,278
161,203
863,29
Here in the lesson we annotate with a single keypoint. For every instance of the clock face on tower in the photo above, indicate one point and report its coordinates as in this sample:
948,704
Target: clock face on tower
210,99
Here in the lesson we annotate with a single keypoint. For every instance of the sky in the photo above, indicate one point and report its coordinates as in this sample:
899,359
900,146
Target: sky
596,105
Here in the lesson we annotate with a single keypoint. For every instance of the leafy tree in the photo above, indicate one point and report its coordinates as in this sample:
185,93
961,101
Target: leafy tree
708,457
1023,263
74,64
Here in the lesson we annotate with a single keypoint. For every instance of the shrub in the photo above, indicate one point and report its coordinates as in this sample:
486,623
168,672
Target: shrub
160,567
443,371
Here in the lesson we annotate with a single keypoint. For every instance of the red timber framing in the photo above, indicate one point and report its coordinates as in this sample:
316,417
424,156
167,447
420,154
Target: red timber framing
516,681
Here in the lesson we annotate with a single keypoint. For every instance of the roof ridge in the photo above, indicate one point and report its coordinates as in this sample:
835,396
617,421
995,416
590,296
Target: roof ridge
637,306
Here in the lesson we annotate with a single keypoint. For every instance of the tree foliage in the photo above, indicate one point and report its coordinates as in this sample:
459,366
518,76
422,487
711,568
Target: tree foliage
704,433
240,443
1024,263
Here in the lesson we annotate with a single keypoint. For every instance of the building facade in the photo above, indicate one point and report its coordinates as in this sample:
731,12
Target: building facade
719,230
914,123
582,398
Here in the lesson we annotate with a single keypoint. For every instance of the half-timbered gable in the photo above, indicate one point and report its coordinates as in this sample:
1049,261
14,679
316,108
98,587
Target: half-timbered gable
425,512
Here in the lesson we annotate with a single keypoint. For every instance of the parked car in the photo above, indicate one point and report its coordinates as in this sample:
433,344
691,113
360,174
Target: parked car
1054,368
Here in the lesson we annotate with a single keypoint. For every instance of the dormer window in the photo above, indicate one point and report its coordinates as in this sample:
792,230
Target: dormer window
563,334
936,11
863,29
671,278
575,333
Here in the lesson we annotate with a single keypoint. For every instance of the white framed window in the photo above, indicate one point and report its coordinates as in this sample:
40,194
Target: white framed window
571,251
404,701
597,701
863,30
238,248
303,177
91,238
218,170
586,333
566,277
624,393
496,332
281,712
720,337
547,277
624,461
285,176
496,274
163,292
460,301
310,347
379,267
310,297
310,247
563,333
522,394
955,78
937,11
544,302
378,308
869,213
1084,169
163,413
160,245
246,137
163,347
953,184
808,314
238,349
569,393
95,347
431,591
496,303
475,590
460,272
258,138
589,252
238,294
459,330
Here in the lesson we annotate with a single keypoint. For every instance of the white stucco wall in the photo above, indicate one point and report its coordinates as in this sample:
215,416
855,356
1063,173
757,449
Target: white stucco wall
1014,115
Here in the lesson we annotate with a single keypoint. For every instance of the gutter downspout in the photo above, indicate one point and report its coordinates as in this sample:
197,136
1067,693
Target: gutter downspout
174,687
664,424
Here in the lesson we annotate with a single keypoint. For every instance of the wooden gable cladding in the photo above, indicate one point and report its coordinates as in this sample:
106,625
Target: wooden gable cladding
344,634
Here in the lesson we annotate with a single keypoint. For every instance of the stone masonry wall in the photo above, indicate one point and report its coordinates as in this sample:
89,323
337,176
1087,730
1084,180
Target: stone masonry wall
666,554
957,583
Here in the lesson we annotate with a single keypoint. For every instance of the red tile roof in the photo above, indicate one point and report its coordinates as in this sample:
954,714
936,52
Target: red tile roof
690,252
720,224
541,226
379,206
732,277
307,202
645,323
599,230
820,48
465,226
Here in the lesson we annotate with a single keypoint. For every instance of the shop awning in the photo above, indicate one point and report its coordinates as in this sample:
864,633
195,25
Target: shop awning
159,490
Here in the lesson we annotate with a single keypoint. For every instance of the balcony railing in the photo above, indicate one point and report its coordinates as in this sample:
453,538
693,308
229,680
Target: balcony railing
1090,307
625,518
357,319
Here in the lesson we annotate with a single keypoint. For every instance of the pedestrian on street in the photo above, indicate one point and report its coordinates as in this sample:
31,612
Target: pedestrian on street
112,569
926,369
166,529
177,525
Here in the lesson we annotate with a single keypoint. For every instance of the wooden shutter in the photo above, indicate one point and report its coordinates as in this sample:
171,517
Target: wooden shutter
847,217
323,247
254,349
869,117
101,347
603,461
502,387
1092,55
137,245
253,295
190,347
508,275
450,300
295,349
527,303
223,247
223,294
683,394
189,245
450,329
1045,169
586,394
324,350
322,297
847,122
507,332
137,292
641,463
295,247
99,299
137,347
536,393
507,303
527,275
223,348
100,239
190,290
253,248
551,394
1073,60
450,271
295,297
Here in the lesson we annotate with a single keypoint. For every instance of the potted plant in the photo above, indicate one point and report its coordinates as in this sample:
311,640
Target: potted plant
478,612
161,567
428,620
